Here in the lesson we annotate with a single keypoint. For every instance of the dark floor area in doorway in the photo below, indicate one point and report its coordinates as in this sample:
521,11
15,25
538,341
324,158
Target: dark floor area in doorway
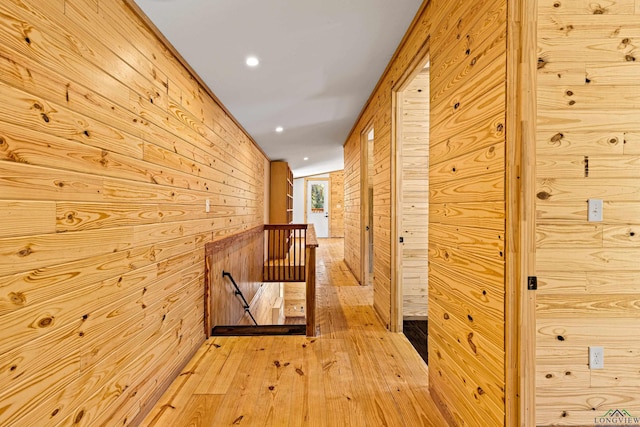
416,333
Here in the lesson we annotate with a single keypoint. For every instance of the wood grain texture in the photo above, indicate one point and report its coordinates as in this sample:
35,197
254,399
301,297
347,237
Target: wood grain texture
109,148
586,148
354,373
336,213
467,49
412,148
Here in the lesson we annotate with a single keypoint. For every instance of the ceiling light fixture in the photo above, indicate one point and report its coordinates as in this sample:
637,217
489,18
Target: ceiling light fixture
306,158
279,129
252,61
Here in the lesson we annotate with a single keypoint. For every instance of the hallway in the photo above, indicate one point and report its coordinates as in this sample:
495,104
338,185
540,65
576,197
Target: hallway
355,373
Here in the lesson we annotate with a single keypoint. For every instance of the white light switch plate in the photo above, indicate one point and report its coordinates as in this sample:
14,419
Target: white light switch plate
595,210
207,206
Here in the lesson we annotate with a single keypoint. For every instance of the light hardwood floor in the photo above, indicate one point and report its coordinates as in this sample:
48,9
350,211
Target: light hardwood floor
355,373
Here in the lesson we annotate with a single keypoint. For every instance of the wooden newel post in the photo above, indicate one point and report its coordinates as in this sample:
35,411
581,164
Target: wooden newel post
310,279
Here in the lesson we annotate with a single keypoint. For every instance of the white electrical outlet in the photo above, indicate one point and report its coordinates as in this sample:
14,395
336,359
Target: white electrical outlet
207,206
596,357
595,210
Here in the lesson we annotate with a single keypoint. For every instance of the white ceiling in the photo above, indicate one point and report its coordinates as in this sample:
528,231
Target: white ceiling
319,62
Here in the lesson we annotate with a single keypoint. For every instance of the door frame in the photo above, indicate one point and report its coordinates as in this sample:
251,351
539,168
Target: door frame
328,180
397,92
365,208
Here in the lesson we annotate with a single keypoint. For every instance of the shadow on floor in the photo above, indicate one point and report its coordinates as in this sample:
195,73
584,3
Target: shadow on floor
416,333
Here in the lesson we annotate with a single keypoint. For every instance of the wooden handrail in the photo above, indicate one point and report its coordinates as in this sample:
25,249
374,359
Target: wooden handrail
312,240
286,226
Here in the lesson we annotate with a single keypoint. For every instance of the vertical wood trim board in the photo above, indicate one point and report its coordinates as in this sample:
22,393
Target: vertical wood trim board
108,150
467,160
588,272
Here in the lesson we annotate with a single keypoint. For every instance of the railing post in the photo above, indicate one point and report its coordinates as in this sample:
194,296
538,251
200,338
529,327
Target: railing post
310,267
311,243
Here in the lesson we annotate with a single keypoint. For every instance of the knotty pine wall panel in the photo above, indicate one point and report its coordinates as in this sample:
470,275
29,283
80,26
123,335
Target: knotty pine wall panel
337,204
414,194
352,206
108,149
586,148
468,53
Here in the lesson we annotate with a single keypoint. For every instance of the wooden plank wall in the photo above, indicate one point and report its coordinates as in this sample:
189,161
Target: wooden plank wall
466,180
587,147
467,199
336,214
242,255
352,207
413,148
108,150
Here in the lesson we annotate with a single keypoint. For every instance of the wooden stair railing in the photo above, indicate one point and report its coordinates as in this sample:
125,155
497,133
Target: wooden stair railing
292,258
239,293
286,245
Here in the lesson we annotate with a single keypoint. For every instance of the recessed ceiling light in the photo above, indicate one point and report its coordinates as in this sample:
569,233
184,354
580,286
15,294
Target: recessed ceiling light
279,129
306,158
252,61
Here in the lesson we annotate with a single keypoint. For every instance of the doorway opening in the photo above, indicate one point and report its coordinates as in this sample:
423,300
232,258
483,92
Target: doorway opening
317,194
410,235
367,201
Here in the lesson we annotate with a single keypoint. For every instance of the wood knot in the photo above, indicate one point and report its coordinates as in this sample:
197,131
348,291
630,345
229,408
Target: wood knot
629,58
28,40
557,137
500,127
45,322
560,338
480,391
13,368
569,93
60,184
572,102
557,4
568,373
79,416
543,195
55,412
613,141
271,387
473,61
86,133
276,363
549,376
467,52
564,414
300,372
2,141
456,106
470,318
471,343
45,117
484,292
25,252
541,63
631,233
17,298
37,106
446,316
